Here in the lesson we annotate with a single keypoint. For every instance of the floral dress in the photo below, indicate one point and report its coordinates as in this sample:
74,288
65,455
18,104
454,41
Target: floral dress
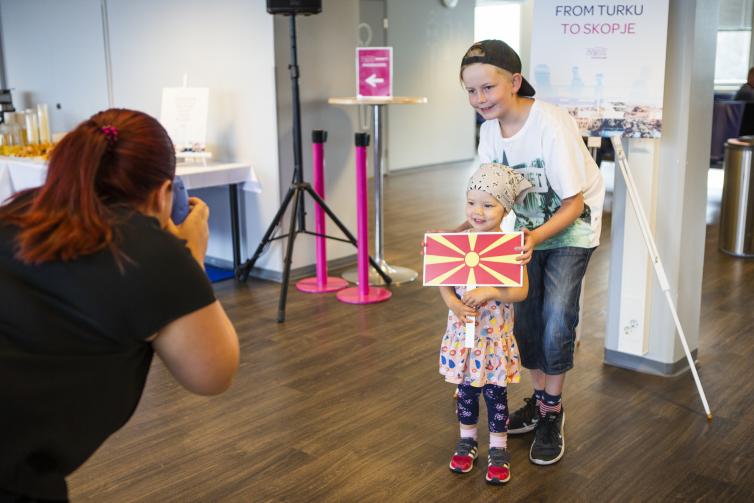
494,358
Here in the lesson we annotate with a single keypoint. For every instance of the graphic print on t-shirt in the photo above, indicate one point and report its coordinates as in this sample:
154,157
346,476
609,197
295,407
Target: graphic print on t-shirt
541,203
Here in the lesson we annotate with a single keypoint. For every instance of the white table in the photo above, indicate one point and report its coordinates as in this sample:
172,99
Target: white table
19,173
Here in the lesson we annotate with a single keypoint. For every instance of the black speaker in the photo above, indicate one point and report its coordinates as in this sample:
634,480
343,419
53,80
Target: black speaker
288,7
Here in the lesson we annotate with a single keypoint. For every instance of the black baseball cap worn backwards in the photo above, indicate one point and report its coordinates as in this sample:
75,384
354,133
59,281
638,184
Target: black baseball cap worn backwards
499,54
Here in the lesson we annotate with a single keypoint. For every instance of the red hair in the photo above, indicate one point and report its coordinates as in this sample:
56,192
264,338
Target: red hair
90,172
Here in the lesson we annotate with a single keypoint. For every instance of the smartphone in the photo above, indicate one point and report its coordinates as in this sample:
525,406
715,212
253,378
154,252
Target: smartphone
180,201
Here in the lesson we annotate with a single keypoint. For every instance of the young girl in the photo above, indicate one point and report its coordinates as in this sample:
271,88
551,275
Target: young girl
493,362
561,220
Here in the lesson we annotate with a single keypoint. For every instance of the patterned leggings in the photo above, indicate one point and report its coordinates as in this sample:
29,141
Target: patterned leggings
496,398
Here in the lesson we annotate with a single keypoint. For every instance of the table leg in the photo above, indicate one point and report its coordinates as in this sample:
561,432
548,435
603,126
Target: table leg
379,174
234,225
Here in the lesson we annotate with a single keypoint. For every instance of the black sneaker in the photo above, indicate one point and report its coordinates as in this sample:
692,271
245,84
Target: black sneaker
464,456
524,419
549,440
498,466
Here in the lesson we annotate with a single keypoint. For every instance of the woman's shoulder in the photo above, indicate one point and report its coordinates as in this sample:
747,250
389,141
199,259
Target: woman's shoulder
133,226
141,238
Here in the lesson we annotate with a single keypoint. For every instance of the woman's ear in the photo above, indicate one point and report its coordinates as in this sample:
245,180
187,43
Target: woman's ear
164,201
164,195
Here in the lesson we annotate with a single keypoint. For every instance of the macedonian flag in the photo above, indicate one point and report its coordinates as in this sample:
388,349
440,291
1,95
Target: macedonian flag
473,258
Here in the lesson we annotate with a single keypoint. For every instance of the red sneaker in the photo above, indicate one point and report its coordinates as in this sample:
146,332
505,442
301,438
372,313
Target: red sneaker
498,466
464,456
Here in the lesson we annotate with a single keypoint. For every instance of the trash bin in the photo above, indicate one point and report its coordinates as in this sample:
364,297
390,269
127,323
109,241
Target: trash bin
737,209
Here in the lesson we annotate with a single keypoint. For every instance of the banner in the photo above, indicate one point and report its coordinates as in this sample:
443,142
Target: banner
604,61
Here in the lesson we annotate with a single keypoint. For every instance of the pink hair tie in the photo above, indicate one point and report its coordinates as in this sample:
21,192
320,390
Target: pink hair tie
111,134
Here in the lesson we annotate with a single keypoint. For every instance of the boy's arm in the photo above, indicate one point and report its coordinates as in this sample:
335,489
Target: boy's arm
565,154
570,209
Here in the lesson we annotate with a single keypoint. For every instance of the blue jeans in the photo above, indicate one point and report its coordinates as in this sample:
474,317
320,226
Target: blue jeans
545,323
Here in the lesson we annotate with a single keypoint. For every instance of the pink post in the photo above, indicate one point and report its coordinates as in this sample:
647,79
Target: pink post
319,215
363,293
322,283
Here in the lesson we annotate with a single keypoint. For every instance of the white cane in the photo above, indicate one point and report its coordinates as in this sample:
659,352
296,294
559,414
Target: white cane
622,162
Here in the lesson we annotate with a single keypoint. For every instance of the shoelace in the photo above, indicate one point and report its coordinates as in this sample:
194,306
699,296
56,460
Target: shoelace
498,457
464,447
546,432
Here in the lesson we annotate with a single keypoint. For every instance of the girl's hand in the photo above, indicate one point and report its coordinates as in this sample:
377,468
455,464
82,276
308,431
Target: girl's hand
195,229
530,241
423,244
479,296
462,311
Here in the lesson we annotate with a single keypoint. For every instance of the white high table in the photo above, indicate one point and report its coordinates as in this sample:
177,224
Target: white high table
397,274
17,173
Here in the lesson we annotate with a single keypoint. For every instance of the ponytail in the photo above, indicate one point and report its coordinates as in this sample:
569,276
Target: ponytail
116,158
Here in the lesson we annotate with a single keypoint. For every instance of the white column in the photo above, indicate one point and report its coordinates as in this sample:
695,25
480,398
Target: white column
671,180
630,260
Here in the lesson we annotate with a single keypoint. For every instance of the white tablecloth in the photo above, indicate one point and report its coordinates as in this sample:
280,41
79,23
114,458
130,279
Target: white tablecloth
19,174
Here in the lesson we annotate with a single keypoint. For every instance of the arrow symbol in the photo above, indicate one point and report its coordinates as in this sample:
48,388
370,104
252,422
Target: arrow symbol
373,80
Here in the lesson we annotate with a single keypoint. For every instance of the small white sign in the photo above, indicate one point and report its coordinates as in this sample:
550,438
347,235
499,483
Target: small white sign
184,116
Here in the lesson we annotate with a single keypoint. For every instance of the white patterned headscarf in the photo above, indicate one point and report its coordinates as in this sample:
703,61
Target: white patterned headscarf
501,182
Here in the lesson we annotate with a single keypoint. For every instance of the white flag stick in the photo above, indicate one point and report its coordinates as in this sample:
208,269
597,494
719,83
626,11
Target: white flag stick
620,157
470,326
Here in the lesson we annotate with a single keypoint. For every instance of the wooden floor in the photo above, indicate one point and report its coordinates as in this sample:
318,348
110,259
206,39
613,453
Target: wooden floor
344,403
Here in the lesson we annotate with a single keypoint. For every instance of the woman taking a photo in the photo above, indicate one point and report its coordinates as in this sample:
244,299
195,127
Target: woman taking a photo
94,279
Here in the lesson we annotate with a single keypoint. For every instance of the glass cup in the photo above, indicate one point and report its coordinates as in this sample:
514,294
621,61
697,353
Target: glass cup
32,127
43,123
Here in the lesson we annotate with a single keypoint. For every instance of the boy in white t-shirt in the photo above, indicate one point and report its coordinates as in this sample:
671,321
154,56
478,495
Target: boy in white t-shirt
561,219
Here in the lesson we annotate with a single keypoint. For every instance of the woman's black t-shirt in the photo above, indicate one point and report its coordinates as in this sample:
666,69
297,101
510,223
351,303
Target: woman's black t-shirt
73,355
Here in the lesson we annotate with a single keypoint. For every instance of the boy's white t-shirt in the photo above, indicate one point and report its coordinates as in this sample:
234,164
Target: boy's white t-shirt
549,150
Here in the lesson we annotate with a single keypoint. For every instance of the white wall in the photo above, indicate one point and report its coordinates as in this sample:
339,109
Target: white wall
429,41
2,56
326,52
55,52
527,15
225,45
372,14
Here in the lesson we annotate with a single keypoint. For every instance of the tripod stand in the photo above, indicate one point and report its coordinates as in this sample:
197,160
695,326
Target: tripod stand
295,194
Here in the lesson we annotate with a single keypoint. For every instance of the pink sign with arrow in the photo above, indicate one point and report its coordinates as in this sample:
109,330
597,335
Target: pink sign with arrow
374,71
